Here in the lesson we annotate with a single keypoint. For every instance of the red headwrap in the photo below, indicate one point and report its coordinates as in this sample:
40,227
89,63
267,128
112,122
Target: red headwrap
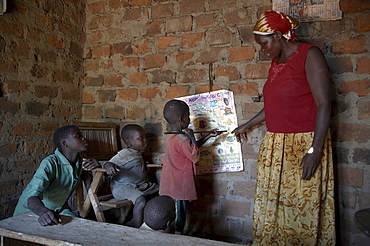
273,21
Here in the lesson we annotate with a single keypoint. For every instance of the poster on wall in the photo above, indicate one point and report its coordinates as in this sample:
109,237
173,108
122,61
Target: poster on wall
309,10
215,110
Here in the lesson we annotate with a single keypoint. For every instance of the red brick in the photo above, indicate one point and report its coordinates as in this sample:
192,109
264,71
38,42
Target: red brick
191,6
116,112
93,23
132,14
60,75
161,75
364,108
353,6
241,53
96,37
62,111
360,87
362,22
46,91
92,112
106,96
92,66
87,97
244,189
235,208
205,88
97,7
251,3
55,41
154,60
141,47
350,46
130,95
117,4
363,65
349,200
150,93
251,109
210,56
107,20
262,10
340,64
12,86
249,150
353,177
11,29
154,27
115,80
230,72
94,81
139,2
257,71
183,56
193,75
9,107
35,147
206,20
73,95
136,112
219,37
122,48
213,187
352,132
221,4
249,89
177,91
361,155
181,24
236,17
7,150
22,129
191,39
47,128
8,66
163,42
100,51
162,10
138,78
130,62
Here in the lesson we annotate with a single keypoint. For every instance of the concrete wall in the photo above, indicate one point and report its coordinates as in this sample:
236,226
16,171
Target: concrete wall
138,54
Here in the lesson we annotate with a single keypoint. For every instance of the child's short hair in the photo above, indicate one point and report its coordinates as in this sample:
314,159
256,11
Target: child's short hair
159,211
173,109
62,133
128,130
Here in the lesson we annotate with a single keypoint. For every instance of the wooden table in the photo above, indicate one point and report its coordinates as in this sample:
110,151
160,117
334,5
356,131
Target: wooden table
77,231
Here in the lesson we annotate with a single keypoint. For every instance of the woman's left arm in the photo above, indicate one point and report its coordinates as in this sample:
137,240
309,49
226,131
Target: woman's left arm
318,78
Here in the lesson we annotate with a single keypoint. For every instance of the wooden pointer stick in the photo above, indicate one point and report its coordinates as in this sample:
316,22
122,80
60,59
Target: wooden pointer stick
194,132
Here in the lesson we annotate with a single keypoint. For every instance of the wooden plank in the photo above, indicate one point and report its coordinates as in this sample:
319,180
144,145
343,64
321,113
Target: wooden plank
77,231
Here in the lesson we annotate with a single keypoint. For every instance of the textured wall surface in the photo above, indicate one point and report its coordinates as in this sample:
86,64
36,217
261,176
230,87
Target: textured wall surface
138,54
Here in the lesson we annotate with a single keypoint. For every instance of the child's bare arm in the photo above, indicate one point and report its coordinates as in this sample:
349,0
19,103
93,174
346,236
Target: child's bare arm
46,216
111,169
207,136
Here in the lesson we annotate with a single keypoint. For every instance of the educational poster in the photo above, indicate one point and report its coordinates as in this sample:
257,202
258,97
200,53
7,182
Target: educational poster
215,110
309,10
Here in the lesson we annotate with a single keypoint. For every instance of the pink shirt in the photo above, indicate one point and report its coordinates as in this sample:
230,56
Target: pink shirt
178,172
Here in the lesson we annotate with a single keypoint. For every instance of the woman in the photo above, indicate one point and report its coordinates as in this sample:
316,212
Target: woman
294,203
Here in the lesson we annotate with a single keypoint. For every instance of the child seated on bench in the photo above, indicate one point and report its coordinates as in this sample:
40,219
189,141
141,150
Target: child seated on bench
57,177
128,173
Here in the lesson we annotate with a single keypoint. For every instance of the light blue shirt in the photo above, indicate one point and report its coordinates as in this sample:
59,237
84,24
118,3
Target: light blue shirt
54,181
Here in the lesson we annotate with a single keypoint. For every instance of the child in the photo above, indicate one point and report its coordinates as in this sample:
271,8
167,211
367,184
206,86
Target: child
178,172
159,212
56,178
129,176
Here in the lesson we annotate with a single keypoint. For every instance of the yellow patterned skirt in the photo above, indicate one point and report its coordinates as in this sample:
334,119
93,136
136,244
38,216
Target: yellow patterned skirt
287,209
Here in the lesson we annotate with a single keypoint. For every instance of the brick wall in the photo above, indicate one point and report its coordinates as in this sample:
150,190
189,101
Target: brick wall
41,54
138,54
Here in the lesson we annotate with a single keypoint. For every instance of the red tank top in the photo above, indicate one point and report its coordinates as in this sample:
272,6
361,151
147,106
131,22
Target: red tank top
289,103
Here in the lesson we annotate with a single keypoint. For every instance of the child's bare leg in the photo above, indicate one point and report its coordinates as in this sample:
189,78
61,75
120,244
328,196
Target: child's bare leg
138,212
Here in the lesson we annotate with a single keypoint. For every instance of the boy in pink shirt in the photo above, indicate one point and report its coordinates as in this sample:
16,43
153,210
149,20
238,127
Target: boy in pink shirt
178,172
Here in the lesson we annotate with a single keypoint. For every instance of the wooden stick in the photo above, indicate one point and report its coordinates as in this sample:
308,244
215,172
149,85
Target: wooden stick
195,132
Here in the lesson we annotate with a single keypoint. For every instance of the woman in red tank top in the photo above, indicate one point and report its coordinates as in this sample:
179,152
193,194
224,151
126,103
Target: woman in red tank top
294,203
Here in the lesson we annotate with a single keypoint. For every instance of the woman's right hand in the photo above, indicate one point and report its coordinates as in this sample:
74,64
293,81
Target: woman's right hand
241,132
